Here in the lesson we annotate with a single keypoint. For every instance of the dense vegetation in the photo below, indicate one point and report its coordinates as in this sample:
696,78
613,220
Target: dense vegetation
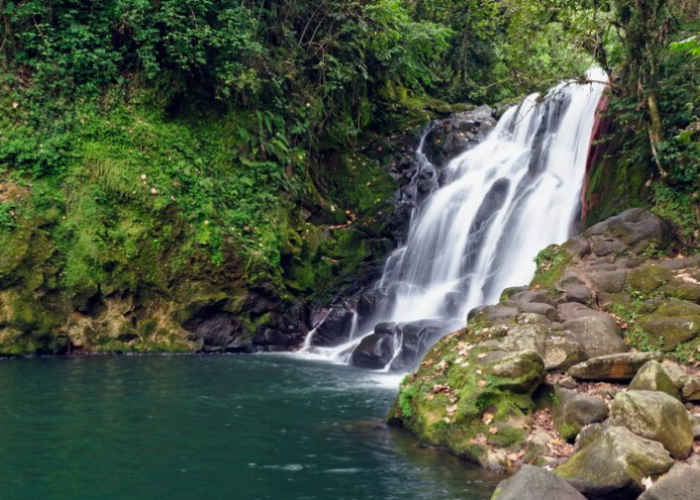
148,143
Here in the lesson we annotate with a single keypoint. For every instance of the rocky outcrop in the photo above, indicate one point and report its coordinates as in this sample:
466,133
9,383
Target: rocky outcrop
584,353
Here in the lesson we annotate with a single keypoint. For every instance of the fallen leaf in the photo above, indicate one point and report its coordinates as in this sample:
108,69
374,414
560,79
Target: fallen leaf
430,397
487,418
446,420
482,383
493,430
647,482
482,355
451,410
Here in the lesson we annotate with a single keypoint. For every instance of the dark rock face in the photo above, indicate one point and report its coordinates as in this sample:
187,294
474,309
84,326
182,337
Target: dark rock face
416,338
535,483
456,134
217,331
374,352
411,339
335,328
633,230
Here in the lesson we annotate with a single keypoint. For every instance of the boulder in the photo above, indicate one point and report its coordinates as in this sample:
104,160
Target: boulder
533,297
611,462
646,279
545,310
670,322
609,282
562,352
656,416
691,389
374,352
598,334
415,340
535,483
572,411
636,229
613,367
681,483
521,372
334,329
653,377
579,293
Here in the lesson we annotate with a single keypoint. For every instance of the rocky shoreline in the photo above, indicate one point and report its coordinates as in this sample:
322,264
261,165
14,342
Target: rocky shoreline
588,373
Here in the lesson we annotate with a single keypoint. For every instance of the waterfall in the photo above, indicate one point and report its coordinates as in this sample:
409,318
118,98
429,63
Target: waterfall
498,206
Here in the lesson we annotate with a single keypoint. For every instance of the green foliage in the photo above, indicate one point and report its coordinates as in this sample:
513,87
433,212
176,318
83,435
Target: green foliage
406,394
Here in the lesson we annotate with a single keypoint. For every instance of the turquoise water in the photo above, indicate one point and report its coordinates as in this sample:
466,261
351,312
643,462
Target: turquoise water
209,428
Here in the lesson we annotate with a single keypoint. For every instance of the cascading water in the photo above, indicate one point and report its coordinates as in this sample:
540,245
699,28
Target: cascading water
500,203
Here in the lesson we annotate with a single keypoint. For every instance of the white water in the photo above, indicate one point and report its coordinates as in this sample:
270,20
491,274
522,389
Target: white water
500,204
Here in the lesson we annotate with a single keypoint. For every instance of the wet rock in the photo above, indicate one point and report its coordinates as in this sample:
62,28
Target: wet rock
572,411
656,416
535,483
613,367
611,462
371,303
216,330
335,329
456,134
374,352
416,339
681,483
653,377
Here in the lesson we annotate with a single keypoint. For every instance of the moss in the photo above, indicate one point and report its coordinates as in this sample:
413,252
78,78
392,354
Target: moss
551,263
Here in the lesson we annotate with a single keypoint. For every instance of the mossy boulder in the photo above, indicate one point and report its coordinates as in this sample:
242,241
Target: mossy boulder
647,279
611,462
670,322
470,398
572,411
653,377
681,483
656,416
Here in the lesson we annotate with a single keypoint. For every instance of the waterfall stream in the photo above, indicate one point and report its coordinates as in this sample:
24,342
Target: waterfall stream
498,206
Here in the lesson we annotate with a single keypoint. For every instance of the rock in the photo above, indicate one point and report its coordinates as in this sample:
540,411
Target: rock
691,389
533,297
646,279
572,411
670,322
218,330
374,352
681,483
335,328
653,377
522,372
493,314
416,338
613,367
611,462
580,294
609,282
694,461
535,483
657,416
562,352
545,310
567,382
636,229
371,303
459,132
598,335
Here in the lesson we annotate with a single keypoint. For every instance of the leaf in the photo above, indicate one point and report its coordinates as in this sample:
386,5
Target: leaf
493,430
482,383
451,410
487,418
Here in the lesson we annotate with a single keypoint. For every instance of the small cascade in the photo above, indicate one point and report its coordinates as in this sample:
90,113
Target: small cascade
499,204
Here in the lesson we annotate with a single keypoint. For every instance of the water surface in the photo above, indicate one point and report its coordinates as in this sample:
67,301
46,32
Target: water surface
213,427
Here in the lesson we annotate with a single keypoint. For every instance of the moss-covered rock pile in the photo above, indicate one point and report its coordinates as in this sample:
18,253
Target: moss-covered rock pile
589,371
